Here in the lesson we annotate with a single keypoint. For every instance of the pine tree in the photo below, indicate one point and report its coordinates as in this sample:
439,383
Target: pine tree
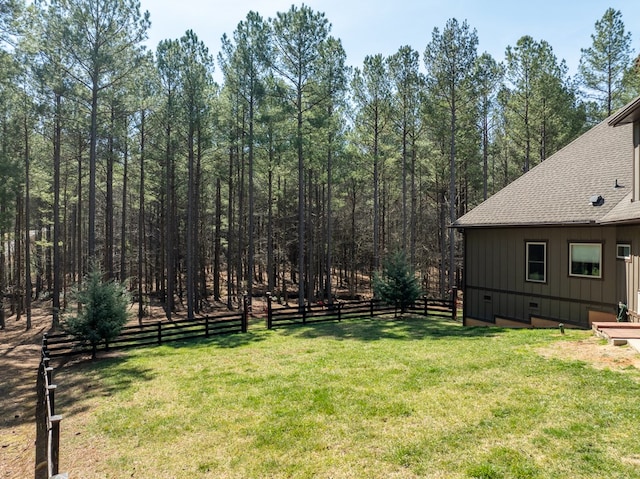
103,311
602,66
299,36
397,284
450,59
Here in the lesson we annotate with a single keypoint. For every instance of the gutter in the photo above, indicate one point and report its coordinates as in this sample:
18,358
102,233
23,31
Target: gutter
525,224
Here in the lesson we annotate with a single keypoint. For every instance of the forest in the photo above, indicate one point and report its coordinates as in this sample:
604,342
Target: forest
297,174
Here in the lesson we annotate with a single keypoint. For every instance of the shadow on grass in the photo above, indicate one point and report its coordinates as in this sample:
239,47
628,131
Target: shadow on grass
79,381
224,341
409,328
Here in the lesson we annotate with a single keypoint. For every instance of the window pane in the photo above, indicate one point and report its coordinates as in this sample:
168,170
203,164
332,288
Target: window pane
536,262
536,271
585,260
585,253
536,252
624,251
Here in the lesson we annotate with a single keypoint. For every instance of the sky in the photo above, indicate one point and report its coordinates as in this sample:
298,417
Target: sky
369,27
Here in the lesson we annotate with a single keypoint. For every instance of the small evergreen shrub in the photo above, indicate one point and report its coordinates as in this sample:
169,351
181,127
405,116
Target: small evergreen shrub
102,311
397,284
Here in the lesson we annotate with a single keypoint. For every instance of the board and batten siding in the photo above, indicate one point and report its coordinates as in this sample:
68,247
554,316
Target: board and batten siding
631,267
496,290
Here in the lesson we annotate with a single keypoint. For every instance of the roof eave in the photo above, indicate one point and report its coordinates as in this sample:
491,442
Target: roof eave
524,224
625,221
627,114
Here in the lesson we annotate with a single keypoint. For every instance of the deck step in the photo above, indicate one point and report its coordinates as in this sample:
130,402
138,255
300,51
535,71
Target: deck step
616,333
616,325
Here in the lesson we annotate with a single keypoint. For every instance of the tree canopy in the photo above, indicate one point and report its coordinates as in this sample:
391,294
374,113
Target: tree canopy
296,174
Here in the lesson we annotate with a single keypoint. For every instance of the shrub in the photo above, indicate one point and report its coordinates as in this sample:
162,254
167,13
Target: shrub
397,285
102,311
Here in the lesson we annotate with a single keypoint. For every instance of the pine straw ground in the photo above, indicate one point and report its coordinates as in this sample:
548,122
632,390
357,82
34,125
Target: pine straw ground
19,356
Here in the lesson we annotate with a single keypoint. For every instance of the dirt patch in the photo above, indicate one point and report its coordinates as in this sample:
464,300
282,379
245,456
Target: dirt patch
596,352
20,357
19,353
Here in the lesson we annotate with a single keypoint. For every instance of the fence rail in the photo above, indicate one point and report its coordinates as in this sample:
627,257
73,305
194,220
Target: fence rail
150,334
340,310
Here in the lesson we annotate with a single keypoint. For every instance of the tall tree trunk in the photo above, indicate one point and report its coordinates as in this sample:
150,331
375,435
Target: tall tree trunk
27,225
201,289
169,224
230,242
2,270
217,242
108,212
18,297
301,200
412,214
404,185
442,208
452,192
329,224
141,207
485,156
310,270
376,200
352,242
79,217
252,232
125,184
270,259
241,273
93,140
191,197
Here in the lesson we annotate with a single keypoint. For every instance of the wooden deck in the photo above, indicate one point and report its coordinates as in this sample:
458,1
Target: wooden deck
618,333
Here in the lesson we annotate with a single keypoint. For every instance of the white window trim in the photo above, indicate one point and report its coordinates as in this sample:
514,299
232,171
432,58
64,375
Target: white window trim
623,245
543,243
599,245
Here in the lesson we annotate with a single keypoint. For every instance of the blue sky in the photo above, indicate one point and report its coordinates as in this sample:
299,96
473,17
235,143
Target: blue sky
368,27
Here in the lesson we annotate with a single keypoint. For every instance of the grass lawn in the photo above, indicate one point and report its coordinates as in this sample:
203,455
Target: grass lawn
362,399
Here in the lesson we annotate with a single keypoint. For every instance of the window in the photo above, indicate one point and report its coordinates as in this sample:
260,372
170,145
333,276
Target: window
585,259
623,251
537,262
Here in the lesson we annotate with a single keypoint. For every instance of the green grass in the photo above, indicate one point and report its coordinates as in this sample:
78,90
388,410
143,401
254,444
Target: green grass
363,399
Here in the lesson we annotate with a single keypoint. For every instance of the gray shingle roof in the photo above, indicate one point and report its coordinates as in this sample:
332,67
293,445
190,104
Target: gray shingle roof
558,190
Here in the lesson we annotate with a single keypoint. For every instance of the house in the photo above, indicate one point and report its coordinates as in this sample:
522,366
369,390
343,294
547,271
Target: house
561,244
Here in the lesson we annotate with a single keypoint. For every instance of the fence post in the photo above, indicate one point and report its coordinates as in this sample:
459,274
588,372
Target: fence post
371,308
426,306
269,316
206,326
51,390
454,304
41,466
304,312
159,325
55,444
245,312
339,310
48,370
